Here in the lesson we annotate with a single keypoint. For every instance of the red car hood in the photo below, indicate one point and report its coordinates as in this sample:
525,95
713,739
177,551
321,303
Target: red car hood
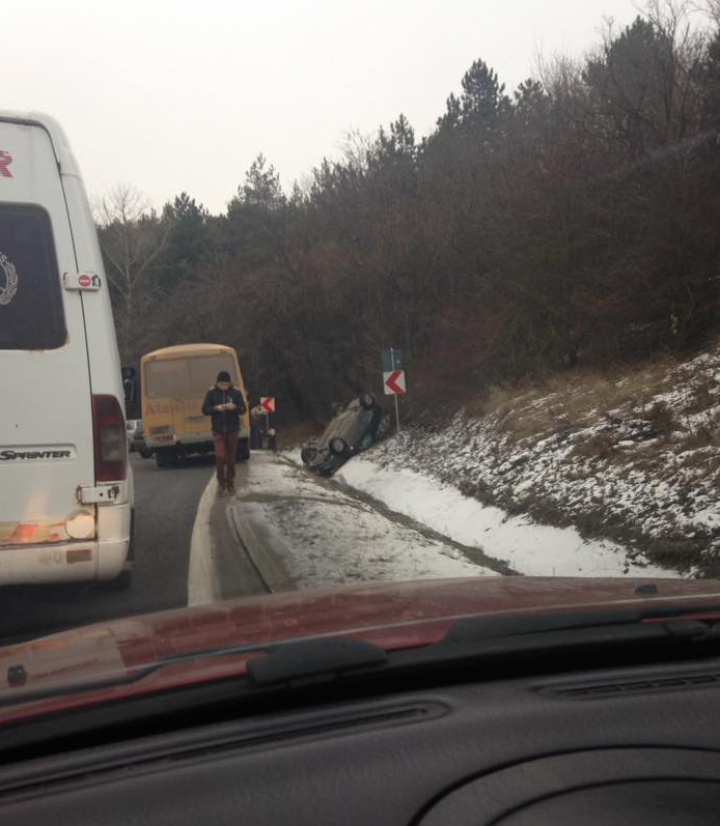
393,615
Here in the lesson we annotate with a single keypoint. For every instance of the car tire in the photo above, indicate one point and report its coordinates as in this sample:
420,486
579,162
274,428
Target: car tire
307,454
338,446
367,401
146,454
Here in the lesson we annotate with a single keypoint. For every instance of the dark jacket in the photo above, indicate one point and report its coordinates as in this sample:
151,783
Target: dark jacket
224,421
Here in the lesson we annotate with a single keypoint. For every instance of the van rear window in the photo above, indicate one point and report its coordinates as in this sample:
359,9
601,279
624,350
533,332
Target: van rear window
31,310
184,377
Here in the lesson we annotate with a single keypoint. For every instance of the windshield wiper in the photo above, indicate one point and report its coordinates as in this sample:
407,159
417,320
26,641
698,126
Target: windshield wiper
478,639
472,629
295,660
114,681
314,659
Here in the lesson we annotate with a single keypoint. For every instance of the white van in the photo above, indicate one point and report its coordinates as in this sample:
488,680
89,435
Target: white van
66,492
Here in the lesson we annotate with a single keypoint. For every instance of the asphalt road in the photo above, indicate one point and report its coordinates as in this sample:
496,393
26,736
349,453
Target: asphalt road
231,554
165,507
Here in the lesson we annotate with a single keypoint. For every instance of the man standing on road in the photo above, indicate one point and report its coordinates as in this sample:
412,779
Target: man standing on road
225,404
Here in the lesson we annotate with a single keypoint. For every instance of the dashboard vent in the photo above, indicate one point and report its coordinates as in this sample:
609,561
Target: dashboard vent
592,690
64,768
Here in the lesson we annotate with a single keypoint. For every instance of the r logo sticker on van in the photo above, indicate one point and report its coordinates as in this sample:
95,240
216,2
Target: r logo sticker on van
5,160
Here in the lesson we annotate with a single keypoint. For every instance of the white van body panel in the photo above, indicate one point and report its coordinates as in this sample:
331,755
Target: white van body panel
46,422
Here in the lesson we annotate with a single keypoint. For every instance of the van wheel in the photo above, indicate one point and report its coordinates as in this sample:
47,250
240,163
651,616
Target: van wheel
123,581
146,454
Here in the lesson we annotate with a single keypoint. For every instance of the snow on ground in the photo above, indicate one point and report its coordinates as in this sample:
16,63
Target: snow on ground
529,548
587,474
635,460
326,536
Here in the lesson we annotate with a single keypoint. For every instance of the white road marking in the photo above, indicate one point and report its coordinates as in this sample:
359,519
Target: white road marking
203,583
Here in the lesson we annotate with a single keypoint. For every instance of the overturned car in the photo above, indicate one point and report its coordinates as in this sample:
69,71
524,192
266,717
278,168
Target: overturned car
354,428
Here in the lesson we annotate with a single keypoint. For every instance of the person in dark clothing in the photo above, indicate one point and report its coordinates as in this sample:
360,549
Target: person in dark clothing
256,427
225,404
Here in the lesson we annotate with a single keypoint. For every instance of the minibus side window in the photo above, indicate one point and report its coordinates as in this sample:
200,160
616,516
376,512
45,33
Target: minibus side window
31,309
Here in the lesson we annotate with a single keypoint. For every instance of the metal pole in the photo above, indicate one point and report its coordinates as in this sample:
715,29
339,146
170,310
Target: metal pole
397,404
267,417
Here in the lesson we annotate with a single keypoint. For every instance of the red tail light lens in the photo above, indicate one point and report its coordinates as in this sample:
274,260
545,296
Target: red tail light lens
110,439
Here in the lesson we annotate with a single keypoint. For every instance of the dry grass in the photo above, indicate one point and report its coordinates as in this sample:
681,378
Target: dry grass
601,446
705,434
659,422
298,434
578,398
661,416
702,396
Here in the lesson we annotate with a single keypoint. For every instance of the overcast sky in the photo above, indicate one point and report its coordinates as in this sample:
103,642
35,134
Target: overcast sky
182,95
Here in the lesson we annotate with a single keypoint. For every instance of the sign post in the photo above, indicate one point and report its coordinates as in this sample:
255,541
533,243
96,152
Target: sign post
394,379
268,405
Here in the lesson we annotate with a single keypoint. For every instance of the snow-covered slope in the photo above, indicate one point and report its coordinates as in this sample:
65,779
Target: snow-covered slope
631,463
527,547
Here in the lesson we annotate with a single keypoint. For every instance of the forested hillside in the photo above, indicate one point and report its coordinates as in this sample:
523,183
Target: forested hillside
573,221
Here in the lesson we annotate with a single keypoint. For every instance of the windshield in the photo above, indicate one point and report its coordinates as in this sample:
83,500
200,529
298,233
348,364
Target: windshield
32,316
191,376
412,306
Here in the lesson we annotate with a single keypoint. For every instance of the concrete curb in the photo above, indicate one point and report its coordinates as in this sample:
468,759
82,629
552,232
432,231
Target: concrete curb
264,554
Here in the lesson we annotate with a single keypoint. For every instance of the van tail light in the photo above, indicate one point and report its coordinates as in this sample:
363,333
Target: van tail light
110,439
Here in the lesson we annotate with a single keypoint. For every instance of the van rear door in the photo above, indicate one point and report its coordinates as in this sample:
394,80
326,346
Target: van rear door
46,442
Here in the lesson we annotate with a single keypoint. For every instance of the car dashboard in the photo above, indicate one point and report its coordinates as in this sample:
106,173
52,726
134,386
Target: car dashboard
630,745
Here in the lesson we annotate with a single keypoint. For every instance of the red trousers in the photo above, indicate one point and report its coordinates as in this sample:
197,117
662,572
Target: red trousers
225,451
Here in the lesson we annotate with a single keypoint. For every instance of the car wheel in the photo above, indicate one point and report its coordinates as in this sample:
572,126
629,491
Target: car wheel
307,454
146,454
338,446
367,401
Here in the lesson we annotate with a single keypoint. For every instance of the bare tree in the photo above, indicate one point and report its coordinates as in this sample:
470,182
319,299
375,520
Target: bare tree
132,239
710,8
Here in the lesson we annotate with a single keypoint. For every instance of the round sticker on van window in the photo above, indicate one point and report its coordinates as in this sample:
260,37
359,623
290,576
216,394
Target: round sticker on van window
8,280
